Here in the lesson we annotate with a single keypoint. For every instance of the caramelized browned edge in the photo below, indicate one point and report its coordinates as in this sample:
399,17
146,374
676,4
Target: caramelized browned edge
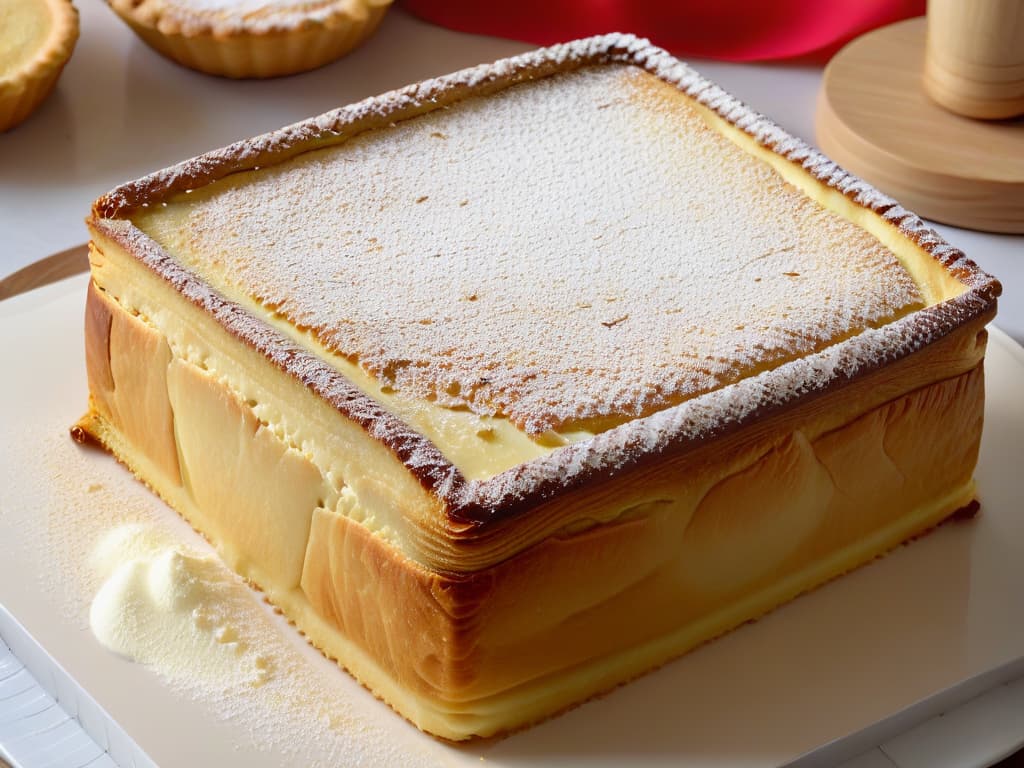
473,506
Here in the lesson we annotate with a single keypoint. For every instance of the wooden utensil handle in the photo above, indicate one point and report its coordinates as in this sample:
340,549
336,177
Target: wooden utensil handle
48,270
974,61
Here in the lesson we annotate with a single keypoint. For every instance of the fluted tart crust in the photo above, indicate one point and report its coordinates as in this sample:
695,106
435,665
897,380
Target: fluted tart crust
252,38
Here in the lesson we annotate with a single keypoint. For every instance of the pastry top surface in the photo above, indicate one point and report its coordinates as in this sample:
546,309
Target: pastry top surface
228,17
676,275
34,32
569,253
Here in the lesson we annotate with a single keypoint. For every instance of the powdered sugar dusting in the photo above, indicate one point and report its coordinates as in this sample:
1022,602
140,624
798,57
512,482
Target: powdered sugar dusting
477,503
714,413
570,253
342,123
248,8
233,17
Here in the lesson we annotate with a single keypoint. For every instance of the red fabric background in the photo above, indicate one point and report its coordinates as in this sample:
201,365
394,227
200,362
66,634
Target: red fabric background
734,30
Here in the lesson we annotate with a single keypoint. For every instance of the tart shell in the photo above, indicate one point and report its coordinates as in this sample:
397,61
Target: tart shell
239,51
25,89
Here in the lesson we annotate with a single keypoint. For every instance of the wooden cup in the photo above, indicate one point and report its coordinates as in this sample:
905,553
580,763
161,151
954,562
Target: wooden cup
974,61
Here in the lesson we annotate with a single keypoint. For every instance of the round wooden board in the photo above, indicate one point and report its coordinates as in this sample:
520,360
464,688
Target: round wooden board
874,118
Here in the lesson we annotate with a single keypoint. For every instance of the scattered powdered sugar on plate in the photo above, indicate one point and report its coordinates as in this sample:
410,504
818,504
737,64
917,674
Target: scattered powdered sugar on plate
157,593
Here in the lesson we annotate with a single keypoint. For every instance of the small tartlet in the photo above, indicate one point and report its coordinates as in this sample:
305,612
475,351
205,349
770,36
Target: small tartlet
252,38
37,38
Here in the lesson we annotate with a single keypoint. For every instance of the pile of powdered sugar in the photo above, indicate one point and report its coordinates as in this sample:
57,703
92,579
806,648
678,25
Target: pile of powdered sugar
170,607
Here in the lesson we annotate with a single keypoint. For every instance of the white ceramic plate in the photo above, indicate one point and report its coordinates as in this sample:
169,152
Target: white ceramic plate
943,610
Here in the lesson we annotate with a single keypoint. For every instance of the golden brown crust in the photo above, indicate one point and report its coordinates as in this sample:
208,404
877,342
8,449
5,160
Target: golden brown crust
131,392
716,538
98,318
462,640
24,90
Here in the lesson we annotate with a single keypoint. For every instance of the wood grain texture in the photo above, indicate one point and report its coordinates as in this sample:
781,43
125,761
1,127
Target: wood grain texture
874,118
974,64
45,271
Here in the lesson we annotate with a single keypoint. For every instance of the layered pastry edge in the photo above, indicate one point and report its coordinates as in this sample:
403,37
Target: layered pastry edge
687,551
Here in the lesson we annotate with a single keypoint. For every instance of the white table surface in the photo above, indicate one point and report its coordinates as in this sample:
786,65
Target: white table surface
121,110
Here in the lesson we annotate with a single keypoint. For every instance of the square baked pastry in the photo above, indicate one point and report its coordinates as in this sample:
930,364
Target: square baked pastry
511,385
